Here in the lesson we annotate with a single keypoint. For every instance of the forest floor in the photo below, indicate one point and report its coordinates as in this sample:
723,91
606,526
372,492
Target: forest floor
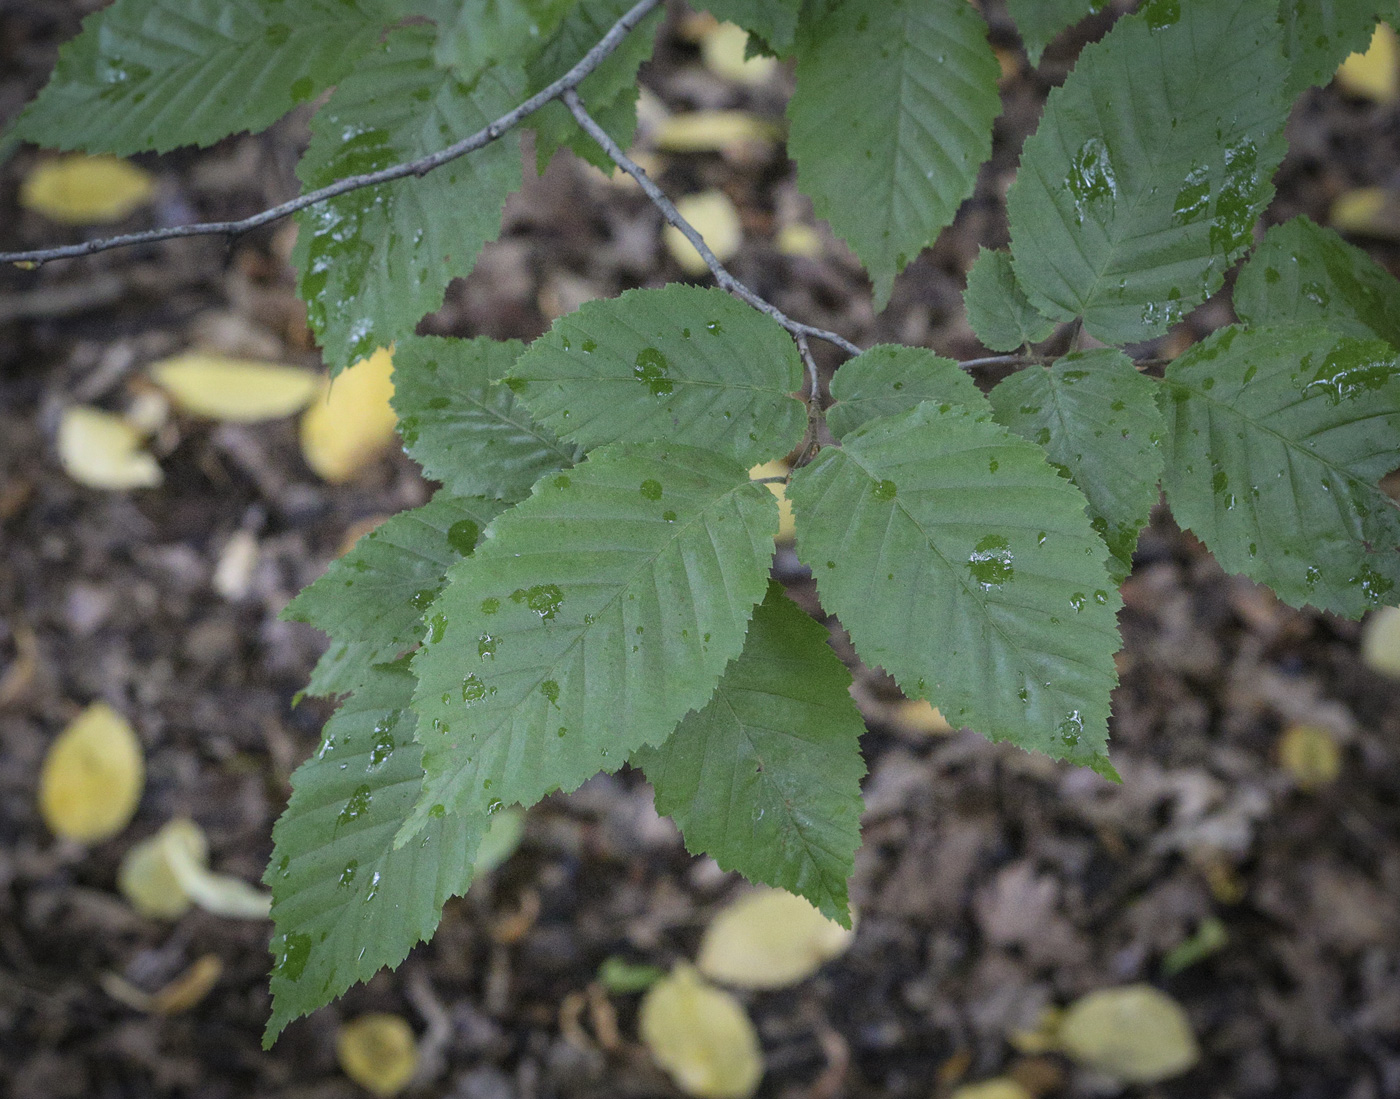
991,884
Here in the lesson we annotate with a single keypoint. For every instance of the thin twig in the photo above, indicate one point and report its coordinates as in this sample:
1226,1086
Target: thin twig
418,167
1007,360
673,217
814,399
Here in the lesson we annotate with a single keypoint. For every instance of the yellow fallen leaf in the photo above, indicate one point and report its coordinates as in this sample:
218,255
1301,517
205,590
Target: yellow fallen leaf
1135,1034
146,877
701,1036
239,390
787,524
921,716
84,190
711,131
101,450
1367,211
217,893
723,49
378,1051
92,777
1374,74
352,423
1003,1087
715,219
189,988
1310,754
802,241
1380,641
769,938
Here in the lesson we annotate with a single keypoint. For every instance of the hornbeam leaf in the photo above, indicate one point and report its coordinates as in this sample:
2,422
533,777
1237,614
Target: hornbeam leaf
891,119
154,74
371,601
1150,166
345,901
685,363
375,260
1304,274
997,308
889,379
1278,439
1040,21
774,21
1320,34
766,778
596,614
1098,420
965,566
470,434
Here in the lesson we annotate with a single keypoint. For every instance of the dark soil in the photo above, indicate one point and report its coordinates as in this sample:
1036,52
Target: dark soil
991,884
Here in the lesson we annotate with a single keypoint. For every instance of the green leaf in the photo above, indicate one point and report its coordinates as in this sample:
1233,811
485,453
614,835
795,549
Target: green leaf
965,566
1041,21
1150,166
597,614
891,119
472,435
1278,439
375,260
345,902
1098,420
154,74
1304,274
371,601
997,308
774,21
474,35
766,778
609,91
889,379
685,363
1318,35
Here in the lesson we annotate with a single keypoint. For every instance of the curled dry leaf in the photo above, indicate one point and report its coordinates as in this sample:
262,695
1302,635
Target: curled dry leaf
92,777
86,190
712,132
146,878
238,390
787,525
769,938
101,450
1309,753
217,893
724,50
715,219
1135,1034
1380,641
378,1051
351,423
701,1036
1374,74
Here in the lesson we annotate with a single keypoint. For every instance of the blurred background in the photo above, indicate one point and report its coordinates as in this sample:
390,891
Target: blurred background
1247,869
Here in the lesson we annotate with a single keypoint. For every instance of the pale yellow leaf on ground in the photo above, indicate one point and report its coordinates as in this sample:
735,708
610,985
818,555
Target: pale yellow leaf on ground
85,190
1374,74
1367,211
920,716
1309,753
146,876
797,239
701,1036
101,450
240,390
379,1052
351,423
92,777
723,50
217,893
190,987
716,220
769,938
1135,1034
1380,641
711,131
1003,1087
787,524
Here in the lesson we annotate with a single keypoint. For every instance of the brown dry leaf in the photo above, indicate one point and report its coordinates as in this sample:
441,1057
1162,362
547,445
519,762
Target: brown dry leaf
1309,753
701,1036
352,423
1380,641
236,390
86,190
1374,74
715,218
1135,1034
723,50
769,938
190,987
1002,1087
102,450
712,131
146,877
92,777
787,524
378,1051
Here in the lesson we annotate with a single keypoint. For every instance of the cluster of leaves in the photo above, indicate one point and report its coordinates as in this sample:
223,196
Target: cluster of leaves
590,587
